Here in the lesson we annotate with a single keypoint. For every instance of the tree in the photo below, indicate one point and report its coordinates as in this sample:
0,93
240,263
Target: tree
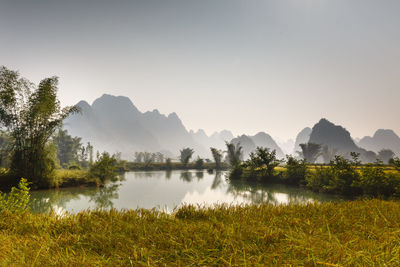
4,149
148,158
395,162
310,152
234,154
31,115
68,147
217,155
159,157
89,151
139,157
186,154
264,159
385,155
296,170
104,168
199,164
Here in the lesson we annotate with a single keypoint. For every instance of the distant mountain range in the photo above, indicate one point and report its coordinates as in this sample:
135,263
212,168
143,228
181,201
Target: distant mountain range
114,124
382,139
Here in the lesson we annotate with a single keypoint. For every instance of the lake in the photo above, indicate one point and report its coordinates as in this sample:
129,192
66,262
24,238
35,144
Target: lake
166,190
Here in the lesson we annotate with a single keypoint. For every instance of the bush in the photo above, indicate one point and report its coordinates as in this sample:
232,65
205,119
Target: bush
296,170
318,179
344,174
104,168
261,164
18,199
374,181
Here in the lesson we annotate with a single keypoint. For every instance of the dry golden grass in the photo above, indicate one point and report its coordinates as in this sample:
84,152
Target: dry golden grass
359,233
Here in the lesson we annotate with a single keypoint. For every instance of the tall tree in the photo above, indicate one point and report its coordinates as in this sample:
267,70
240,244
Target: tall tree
31,115
68,147
186,154
217,155
234,153
310,152
4,149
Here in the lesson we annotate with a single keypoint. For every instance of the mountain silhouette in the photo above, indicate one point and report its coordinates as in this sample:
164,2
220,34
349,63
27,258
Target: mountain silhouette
113,123
302,137
216,140
382,139
338,138
261,139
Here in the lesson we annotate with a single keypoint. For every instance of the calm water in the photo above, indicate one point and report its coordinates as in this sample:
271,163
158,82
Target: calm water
166,190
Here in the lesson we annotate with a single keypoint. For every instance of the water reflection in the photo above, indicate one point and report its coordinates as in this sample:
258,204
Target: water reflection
168,189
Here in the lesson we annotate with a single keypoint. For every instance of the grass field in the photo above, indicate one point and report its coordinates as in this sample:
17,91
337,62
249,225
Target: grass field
356,233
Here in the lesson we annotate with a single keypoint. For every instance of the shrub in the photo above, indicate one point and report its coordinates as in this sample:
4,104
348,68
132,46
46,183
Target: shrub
296,170
318,179
344,173
18,199
374,181
262,163
104,168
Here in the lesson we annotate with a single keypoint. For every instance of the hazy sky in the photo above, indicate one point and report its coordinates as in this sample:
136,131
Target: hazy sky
248,66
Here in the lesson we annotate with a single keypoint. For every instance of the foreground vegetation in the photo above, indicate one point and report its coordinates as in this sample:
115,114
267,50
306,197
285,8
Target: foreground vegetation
364,233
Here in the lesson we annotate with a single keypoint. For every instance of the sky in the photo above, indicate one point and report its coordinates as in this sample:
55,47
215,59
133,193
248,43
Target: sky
246,66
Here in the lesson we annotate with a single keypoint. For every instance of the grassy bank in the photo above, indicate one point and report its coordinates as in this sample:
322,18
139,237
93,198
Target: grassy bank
342,234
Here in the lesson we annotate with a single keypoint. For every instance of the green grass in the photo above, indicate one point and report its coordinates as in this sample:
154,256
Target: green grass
357,233
65,178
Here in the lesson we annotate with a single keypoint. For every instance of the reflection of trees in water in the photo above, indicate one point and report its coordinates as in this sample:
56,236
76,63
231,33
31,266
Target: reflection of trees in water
186,176
104,196
44,201
199,175
217,182
149,174
168,174
258,193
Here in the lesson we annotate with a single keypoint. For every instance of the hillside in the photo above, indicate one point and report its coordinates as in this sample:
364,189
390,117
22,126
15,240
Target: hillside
113,123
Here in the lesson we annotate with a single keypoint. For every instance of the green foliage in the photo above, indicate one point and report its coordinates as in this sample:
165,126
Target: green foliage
5,149
319,178
17,200
185,156
68,147
104,168
31,116
217,155
338,177
310,152
374,181
296,170
262,163
395,162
